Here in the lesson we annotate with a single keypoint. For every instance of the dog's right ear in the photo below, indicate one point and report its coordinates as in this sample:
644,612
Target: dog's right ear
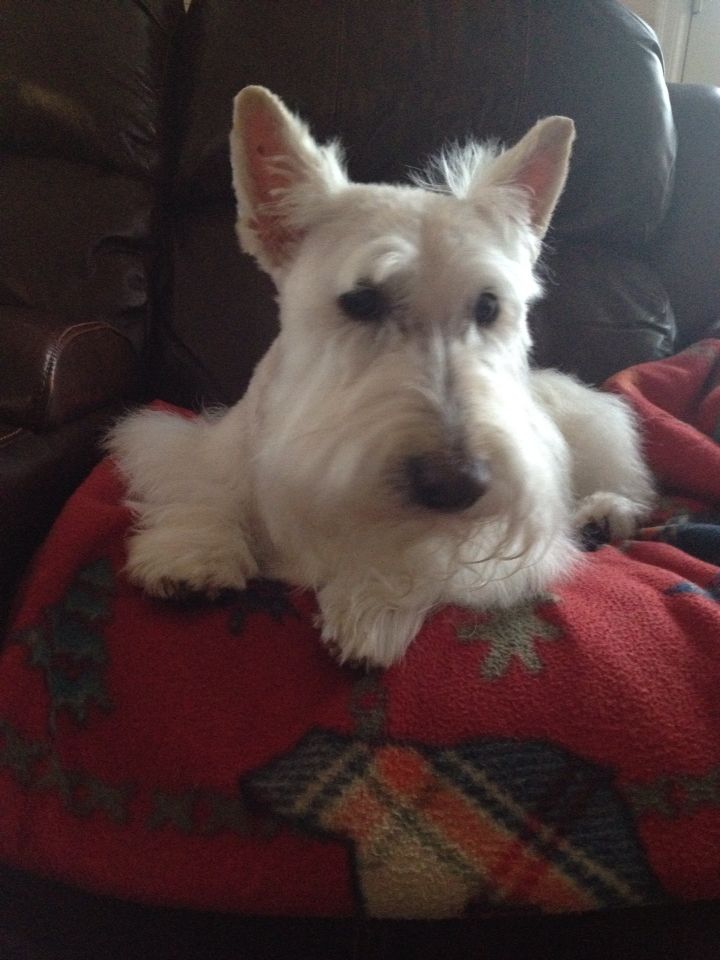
279,174
538,166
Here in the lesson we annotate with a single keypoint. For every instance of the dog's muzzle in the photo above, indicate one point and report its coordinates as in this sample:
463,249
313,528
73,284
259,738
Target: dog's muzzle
444,482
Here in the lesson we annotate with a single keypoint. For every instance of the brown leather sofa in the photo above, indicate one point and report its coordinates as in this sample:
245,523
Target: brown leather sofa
120,279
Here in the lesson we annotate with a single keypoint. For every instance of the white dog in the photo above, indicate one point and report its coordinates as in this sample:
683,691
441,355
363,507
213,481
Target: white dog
393,451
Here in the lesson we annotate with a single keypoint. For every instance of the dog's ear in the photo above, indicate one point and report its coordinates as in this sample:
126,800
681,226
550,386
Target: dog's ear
538,164
279,174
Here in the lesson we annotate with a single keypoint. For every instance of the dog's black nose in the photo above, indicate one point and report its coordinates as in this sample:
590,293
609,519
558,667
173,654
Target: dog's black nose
446,483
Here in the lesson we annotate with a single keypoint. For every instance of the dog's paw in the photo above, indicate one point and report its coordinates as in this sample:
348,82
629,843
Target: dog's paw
607,518
368,643
181,571
366,634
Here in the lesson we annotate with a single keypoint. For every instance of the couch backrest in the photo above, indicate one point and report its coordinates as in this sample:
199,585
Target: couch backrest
394,81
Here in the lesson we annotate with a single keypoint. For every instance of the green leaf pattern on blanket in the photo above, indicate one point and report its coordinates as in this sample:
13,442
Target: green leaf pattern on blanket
69,646
512,635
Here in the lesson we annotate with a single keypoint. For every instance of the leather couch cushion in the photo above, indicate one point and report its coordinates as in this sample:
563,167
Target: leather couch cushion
687,251
603,310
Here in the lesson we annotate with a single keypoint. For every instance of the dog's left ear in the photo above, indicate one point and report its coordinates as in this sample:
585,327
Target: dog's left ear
279,175
538,164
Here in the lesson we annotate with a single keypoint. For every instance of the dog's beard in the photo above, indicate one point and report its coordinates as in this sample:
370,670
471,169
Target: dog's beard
340,498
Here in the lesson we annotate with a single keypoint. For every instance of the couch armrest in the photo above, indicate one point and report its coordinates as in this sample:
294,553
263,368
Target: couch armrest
686,250
53,370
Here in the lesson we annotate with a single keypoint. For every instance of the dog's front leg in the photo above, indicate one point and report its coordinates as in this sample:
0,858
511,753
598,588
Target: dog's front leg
180,550
372,621
612,486
189,489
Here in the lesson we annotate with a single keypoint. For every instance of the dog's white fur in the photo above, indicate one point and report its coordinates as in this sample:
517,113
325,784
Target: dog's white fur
306,479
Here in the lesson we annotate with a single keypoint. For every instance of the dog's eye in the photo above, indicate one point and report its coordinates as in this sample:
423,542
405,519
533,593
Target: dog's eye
363,303
486,308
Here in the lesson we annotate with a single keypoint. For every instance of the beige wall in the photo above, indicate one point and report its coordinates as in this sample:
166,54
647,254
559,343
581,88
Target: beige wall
702,60
670,19
647,9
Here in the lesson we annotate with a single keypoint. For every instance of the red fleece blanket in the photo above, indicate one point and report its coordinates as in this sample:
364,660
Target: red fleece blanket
561,756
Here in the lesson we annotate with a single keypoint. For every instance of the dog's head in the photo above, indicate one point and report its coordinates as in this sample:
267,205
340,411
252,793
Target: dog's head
402,377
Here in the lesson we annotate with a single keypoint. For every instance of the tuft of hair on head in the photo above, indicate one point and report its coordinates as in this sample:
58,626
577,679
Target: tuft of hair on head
456,167
531,173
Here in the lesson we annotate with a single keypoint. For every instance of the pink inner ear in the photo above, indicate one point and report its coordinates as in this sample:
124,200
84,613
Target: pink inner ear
539,175
536,175
263,142
542,174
